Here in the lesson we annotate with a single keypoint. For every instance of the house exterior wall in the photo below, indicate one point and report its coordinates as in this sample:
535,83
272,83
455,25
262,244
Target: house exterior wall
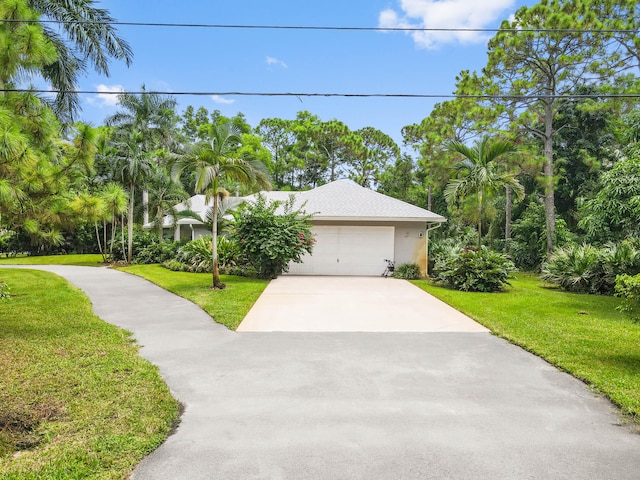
410,242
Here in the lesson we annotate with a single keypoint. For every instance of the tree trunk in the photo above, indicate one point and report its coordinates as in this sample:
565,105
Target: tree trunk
507,220
145,206
549,186
479,219
122,235
104,239
95,224
214,246
113,234
130,225
160,220
429,196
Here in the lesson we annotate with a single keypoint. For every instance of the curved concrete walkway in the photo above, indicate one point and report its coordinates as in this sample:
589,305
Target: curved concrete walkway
358,405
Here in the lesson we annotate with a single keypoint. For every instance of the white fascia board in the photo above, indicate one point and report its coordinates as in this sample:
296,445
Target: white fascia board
437,219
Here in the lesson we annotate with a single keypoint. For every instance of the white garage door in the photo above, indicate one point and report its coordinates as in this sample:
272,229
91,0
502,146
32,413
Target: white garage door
342,250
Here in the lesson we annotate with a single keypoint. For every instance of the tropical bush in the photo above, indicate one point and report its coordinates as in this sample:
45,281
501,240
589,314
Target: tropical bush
270,235
587,269
156,253
196,256
408,271
628,288
147,248
474,270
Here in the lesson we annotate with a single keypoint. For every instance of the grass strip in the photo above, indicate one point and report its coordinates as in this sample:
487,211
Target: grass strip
85,260
227,307
581,334
76,399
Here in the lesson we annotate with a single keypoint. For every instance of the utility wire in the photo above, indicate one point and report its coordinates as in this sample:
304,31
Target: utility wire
327,94
319,27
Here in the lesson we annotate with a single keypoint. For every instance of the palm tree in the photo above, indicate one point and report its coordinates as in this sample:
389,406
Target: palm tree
215,162
153,116
115,200
165,193
134,166
83,37
481,173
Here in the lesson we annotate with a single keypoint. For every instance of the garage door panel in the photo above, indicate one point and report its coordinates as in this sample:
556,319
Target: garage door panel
347,250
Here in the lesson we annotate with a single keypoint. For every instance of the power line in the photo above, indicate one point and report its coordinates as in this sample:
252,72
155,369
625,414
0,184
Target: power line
319,27
329,94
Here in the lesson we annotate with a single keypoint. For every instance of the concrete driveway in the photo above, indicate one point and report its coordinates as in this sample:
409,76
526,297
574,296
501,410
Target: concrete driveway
351,304
358,406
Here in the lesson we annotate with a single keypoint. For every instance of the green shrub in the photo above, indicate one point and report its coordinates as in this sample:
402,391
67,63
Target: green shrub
196,255
156,253
176,266
408,271
573,268
269,241
474,270
628,288
587,269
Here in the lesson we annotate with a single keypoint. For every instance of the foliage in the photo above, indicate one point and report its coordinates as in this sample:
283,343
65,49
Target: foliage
528,247
80,401
480,270
628,288
146,248
5,292
195,256
215,161
270,235
480,173
450,242
156,252
227,307
407,271
581,334
539,66
588,269
614,213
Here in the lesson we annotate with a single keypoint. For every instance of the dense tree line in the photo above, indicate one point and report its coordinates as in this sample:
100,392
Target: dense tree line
538,149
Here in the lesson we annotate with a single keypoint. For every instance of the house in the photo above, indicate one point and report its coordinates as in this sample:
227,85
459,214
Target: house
356,229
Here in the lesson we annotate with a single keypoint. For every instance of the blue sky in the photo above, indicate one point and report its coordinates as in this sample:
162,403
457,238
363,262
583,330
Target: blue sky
193,59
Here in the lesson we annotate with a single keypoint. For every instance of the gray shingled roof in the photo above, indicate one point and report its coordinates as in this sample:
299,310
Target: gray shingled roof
336,201
346,200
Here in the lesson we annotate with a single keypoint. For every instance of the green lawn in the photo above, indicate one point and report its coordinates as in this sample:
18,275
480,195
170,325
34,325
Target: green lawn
76,399
87,260
581,334
228,306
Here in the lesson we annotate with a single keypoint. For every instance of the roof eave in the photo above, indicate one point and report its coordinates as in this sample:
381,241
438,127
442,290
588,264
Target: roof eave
436,219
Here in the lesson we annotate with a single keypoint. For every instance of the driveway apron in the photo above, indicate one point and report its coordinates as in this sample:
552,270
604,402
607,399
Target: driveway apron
351,304
358,405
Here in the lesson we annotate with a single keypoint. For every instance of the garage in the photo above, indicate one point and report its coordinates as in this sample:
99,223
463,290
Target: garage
347,250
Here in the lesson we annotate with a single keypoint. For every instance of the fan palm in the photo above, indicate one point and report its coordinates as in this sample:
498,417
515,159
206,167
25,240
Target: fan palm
480,173
215,161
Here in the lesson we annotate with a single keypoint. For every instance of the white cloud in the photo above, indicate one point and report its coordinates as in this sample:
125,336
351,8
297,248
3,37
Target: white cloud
107,99
222,100
446,14
275,61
